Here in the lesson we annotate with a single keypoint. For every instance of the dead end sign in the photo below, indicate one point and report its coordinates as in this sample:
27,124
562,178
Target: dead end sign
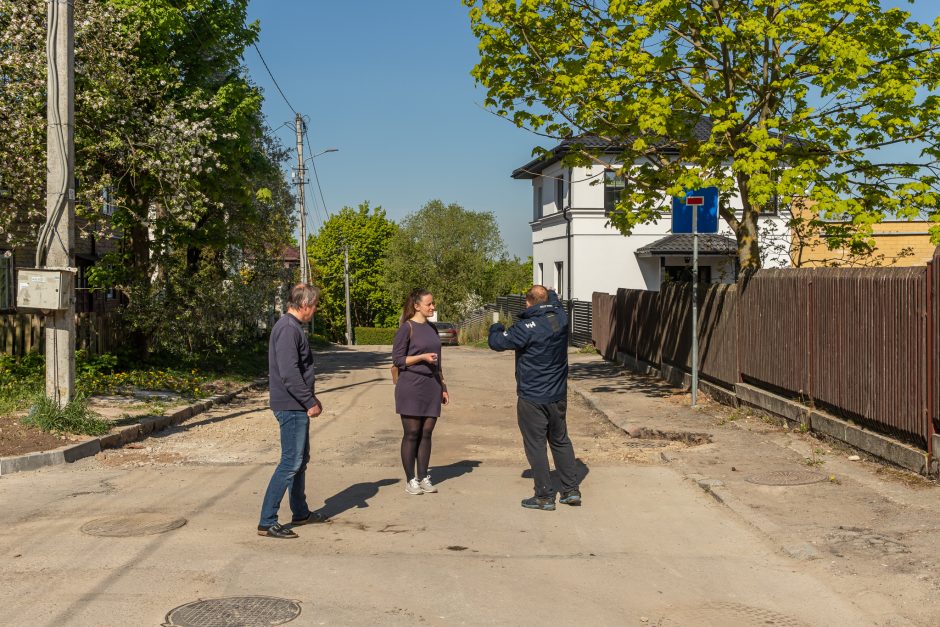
705,202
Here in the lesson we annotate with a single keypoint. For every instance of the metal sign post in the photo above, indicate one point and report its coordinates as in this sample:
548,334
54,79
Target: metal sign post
698,209
695,202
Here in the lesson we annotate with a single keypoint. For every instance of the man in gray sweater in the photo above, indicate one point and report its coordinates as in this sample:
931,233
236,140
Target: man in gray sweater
291,383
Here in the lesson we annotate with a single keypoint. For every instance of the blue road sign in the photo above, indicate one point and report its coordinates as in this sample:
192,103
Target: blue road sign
705,201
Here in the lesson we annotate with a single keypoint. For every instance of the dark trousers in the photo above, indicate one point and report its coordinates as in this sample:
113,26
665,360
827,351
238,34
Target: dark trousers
541,423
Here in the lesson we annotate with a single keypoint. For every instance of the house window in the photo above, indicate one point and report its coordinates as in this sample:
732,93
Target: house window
560,278
7,294
684,273
613,186
540,279
560,192
107,201
538,208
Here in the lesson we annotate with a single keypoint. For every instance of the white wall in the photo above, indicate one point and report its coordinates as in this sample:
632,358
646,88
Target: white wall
604,259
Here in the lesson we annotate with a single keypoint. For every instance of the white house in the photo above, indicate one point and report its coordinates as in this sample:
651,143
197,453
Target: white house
577,253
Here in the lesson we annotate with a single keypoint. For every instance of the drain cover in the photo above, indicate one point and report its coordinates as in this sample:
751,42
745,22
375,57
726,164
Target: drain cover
231,611
728,614
132,525
786,477
645,444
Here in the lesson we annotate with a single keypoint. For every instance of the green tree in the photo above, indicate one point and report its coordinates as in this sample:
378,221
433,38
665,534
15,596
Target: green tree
456,254
761,98
367,232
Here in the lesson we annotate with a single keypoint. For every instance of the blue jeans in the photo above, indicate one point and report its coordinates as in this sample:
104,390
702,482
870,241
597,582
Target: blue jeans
295,453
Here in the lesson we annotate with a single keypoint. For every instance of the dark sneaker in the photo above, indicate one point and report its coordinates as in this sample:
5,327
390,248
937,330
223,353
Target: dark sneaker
536,502
277,530
571,497
312,517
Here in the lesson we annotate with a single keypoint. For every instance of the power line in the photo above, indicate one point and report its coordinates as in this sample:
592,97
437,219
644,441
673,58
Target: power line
316,177
265,63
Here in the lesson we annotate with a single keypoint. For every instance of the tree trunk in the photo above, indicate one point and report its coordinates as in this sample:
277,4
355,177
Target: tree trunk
748,248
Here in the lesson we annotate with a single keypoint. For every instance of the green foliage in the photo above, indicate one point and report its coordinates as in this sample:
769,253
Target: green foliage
366,336
188,383
75,417
456,254
367,232
318,341
477,334
803,98
20,380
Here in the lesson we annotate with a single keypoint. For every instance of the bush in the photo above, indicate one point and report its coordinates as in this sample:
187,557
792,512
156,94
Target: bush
73,418
374,335
318,340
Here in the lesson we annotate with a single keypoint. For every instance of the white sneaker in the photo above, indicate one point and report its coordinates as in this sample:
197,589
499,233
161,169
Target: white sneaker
413,487
426,485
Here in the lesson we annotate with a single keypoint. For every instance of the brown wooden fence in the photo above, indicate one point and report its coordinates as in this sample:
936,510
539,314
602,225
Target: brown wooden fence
859,343
96,333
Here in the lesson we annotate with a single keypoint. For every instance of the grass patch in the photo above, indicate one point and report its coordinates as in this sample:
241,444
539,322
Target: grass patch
75,417
588,349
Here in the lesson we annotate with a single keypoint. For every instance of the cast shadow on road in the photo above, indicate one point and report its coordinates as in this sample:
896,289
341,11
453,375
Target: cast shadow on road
355,496
581,472
617,381
440,474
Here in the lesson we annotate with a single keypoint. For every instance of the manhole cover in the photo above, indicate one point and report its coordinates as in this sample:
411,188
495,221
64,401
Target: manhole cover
786,477
132,525
728,614
231,611
645,444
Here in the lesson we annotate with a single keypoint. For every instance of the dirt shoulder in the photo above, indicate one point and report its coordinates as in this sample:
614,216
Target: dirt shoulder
869,528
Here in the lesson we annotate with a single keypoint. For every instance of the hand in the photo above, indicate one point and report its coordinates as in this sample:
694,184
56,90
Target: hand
498,327
431,358
316,410
445,397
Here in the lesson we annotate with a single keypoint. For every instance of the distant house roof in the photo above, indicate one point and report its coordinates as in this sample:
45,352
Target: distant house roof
291,254
681,244
701,131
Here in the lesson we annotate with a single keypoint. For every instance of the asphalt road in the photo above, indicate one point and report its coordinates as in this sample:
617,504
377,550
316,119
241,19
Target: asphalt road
647,547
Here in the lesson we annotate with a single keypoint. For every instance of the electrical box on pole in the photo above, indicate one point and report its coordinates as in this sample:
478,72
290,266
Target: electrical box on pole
44,289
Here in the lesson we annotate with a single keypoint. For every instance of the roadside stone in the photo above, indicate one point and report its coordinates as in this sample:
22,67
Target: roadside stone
802,552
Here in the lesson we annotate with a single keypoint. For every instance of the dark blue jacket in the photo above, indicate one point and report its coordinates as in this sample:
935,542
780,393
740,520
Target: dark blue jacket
540,339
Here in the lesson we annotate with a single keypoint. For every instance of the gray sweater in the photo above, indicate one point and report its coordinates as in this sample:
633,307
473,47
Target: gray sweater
290,366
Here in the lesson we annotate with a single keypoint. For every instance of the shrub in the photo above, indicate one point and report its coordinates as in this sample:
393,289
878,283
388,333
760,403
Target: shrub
75,417
476,334
374,335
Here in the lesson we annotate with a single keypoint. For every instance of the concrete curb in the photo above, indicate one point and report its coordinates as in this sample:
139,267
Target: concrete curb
125,435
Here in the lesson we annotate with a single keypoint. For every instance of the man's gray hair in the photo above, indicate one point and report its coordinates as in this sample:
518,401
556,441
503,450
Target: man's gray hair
303,295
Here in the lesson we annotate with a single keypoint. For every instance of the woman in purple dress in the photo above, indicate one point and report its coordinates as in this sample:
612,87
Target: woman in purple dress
420,390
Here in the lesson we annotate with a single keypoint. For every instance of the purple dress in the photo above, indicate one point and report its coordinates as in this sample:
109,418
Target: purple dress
418,391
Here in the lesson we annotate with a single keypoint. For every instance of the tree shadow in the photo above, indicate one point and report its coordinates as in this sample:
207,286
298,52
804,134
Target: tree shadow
355,496
452,471
581,472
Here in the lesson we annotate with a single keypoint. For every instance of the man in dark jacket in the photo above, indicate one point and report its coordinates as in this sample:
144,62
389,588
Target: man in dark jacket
291,378
540,339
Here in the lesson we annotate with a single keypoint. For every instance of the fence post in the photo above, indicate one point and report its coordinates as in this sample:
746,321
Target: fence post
931,354
810,369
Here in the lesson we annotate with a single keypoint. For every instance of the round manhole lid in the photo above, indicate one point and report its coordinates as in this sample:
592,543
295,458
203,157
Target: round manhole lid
786,477
728,614
228,611
646,444
132,525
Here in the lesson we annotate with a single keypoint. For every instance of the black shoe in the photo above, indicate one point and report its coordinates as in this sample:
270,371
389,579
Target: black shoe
546,503
277,530
571,497
312,517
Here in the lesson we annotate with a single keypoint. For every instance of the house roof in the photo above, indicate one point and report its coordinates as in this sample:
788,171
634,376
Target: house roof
701,131
681,244
290,254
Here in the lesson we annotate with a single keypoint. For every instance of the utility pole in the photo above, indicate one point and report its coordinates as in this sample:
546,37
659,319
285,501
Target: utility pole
349,335
301,182
58,234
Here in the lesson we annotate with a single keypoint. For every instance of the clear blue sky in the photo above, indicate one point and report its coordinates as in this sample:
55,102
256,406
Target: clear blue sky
388,83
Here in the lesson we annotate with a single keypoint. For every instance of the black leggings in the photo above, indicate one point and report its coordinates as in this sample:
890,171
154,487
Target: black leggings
416,445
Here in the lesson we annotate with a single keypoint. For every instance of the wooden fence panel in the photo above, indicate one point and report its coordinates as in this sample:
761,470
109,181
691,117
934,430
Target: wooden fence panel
96,333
